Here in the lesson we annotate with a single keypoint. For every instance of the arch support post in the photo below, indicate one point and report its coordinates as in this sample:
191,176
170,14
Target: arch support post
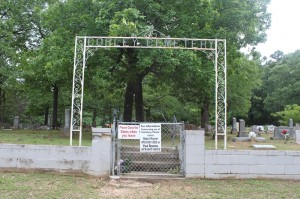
77,88
220,91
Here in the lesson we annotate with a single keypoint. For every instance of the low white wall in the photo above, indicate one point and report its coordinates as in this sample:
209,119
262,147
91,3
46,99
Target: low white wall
94,160
240,164
198,162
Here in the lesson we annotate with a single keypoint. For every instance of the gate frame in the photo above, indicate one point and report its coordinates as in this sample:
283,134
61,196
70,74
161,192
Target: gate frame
117,143
215,49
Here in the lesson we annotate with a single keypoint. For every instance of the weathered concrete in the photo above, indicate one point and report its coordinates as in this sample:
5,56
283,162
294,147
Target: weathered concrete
198,162
263,147
240,164
94,160
241,139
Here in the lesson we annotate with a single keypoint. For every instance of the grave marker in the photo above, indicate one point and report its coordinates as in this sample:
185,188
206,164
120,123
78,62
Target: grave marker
234,129
16,122
242,130
291,123
278,130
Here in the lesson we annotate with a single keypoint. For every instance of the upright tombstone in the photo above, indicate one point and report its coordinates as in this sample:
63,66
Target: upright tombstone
297,126
298,136
254,128
290,130
67,122
234,129
16,122
49,122
291,125
271,128
242,130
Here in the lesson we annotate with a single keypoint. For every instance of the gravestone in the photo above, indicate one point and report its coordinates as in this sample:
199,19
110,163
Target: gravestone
16,122
298,136
260,128
271,128
254,128
234,129
291,123
49,122
263,147
242,129
67,122
260,139
297,126
279,129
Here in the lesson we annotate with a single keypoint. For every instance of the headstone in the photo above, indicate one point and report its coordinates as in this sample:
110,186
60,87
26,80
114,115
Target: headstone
241,139
271,128
297,127
234,129
290,130
260,139
298,136
242,130
67,122
291,123
49,122
254,128
263,147
16,122
260,128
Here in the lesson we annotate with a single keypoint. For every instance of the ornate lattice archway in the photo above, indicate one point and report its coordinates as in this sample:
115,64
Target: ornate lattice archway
215,50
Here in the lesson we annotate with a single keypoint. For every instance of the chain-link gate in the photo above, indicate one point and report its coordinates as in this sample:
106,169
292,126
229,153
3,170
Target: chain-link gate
149,149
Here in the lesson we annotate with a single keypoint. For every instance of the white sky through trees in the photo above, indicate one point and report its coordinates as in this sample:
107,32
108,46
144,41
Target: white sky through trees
284,33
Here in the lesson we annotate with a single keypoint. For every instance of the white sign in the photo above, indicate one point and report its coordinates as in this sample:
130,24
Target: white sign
128,132
150,137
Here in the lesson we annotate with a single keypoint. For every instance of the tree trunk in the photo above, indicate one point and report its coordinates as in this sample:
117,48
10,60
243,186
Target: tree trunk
128,104
46,116
94,124
205,114
139,108
55,107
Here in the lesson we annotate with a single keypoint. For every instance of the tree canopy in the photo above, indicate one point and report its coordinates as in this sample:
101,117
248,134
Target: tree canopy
142,84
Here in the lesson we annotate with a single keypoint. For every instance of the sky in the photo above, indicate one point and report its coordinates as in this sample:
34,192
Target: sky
284,33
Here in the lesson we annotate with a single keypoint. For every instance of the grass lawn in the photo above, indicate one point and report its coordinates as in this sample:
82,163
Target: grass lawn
43,137
280,144
56,138
58,185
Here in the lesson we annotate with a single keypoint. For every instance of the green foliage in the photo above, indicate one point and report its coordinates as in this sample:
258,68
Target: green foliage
175,82
281,82
289,112
244,76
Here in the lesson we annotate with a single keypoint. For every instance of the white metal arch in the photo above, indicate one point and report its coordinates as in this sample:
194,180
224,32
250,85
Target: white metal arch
215,50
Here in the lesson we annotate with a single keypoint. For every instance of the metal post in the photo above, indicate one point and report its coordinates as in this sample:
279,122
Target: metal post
72,111
82,83
216,94
225,98
113,141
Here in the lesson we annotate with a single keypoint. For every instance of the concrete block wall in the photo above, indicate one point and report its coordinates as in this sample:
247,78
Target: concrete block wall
241,164
194,154
94,160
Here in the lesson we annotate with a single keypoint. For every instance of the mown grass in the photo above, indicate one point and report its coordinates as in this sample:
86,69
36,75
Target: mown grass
40,137
57,185
280,144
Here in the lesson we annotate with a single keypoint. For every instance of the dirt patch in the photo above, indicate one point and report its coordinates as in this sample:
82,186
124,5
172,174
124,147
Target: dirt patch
121,188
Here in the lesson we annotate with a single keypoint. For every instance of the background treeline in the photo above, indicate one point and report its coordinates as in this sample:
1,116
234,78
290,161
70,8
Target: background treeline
37,52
